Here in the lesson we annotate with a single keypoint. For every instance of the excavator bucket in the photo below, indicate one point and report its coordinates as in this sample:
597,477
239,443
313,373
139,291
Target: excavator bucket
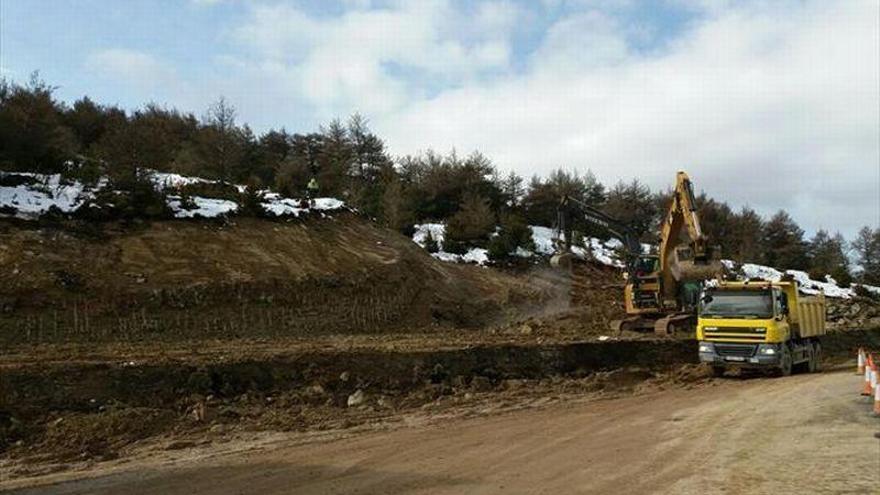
686,267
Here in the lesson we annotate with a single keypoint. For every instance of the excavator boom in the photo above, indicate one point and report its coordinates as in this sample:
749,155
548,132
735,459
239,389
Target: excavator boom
692,262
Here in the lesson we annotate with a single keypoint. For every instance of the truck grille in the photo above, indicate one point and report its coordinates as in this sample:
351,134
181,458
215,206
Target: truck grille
741,350
720,333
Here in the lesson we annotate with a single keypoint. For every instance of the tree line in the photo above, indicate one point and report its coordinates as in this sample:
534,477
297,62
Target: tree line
39,133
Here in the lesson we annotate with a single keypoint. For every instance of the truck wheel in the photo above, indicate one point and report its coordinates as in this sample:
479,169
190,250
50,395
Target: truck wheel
785,363
807,365
717,371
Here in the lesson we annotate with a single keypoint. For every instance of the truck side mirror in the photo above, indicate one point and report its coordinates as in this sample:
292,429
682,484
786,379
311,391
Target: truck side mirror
783,305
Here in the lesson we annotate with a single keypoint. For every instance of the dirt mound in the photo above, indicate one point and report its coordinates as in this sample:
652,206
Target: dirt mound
247,277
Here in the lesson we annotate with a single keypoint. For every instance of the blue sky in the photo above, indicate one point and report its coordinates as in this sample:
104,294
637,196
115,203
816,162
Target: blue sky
769,103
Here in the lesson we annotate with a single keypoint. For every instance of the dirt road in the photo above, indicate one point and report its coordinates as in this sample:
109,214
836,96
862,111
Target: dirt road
803,434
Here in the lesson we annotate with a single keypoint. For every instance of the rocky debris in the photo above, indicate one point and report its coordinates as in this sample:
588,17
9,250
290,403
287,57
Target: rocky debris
856,313
356,399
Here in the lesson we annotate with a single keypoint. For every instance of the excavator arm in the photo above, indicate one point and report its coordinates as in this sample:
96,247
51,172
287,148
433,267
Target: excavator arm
697,260
568,206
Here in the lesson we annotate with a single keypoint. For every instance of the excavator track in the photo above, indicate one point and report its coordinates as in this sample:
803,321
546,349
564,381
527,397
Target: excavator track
673,323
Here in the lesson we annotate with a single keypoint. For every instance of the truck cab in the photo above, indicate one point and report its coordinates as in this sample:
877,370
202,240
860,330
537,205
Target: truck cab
764,325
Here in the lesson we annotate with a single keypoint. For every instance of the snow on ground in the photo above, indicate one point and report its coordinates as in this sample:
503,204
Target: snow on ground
278,205
542,237
479,256
204,207
605,252
32,200
165,181
805,284
601,251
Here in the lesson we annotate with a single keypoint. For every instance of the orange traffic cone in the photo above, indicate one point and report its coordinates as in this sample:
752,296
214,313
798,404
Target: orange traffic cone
877,400
873,375
866,386
861,361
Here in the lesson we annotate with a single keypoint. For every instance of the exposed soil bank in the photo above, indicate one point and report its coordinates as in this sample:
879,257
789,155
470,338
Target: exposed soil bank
183,280
95,409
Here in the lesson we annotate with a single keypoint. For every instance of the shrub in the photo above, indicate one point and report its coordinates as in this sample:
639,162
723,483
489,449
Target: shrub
514,233
471,226
250,201
431,244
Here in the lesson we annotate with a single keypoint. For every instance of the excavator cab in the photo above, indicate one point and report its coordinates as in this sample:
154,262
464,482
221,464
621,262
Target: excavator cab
646,264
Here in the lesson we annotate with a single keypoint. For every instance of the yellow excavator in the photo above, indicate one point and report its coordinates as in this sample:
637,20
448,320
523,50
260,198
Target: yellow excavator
662,290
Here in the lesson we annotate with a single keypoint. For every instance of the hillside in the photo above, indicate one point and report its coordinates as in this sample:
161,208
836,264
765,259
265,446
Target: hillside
180,279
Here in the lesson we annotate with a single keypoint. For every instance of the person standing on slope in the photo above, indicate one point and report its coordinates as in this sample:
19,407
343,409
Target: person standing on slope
312,190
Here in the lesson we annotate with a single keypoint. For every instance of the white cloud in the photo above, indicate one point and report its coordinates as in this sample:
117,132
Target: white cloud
347,62
775,107
132,67
774,104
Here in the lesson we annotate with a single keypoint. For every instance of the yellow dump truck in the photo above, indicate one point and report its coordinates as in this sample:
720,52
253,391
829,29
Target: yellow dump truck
760,324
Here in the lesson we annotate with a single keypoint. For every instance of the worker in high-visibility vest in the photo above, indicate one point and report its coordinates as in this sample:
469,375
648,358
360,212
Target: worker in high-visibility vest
312,190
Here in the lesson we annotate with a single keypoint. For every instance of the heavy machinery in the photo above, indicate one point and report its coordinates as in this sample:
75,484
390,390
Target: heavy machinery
760,324
662,290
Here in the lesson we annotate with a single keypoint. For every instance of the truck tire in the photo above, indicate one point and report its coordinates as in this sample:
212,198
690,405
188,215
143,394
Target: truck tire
718,371
805,366
817,358
785,365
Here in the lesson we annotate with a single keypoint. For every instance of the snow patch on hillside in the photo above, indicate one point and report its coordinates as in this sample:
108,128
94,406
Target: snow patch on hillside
476,255
165,181
29,201
203,207
37,194
602,251
542,237
806,285
277,205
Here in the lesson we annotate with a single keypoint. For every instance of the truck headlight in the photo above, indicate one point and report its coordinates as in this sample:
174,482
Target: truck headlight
706,347
767,350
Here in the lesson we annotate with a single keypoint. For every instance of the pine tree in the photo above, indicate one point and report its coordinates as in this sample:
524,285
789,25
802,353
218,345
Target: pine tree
222,142
32,135
783,243
512,190
745,234
867,250
396,210
513,233
633,204
827,256
471,226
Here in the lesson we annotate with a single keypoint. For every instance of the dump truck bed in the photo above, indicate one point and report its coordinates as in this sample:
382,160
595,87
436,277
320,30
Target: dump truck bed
810,319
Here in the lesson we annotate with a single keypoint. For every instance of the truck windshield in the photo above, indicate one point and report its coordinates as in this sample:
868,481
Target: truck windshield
737,304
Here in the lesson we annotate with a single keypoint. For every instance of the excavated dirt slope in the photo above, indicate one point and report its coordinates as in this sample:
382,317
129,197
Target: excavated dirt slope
245,278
